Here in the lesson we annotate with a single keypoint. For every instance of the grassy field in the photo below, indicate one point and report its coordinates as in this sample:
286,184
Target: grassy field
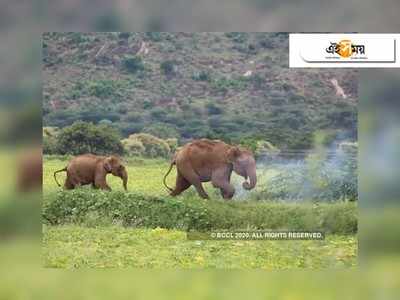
144,175
113,247
95,229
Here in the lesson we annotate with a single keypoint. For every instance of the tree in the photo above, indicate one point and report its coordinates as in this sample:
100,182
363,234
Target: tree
161,130
82,137
146,145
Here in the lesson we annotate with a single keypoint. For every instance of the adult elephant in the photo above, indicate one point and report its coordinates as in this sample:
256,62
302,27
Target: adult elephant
30,170
212,160
93,169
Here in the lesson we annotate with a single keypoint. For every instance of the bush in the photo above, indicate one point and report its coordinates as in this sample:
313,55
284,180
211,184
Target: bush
214,109
318,177
201,76
161,130
265,150
168,67
101,88
50,140
154,36
133,147
82,137
132,209
133,64
224,84
172,143
153,146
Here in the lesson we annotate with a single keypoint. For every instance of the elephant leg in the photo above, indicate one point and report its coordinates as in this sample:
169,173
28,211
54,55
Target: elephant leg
102,186
68,184
194,179
181,185
227,193
220,180
100,182
200,190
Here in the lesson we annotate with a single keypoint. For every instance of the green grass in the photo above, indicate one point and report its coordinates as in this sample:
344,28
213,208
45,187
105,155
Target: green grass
92,208
116,247
145,175
146,228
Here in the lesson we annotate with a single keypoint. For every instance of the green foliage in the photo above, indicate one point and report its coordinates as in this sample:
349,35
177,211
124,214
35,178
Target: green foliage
201,76
133,64
146,145
101,88
224,84
82,137
72,247
50,140
172,143
319,177
133,147
238,37
192,213
264,149
154,36
134,117
214,109
168,67
273,104
161,130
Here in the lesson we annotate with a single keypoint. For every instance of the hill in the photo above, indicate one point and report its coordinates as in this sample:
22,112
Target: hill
232,86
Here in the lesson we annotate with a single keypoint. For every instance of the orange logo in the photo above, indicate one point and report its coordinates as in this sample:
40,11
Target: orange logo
345,48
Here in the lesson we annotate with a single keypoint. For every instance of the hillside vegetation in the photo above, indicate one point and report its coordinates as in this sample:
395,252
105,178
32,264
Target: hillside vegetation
232,86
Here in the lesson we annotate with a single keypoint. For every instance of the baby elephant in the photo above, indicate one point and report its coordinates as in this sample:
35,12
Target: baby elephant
93,169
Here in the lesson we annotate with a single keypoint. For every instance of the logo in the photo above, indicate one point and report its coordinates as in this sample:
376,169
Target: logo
346,49
343,50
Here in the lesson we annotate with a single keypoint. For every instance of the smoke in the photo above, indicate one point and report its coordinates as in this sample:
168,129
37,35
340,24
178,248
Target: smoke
325,173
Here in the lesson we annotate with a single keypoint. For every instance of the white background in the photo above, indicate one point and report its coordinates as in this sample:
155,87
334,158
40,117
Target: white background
379,50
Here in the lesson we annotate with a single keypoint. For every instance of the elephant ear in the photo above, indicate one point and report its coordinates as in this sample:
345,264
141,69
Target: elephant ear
107,164
232,154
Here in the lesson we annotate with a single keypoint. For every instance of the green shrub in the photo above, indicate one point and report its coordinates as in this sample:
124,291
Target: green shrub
50,140
101,88
224,84
134,117
162,131
133,147
154,36
133,64
82,137
168,67
265,149
172,143
214,109
201,76
153,146
319,177
192,213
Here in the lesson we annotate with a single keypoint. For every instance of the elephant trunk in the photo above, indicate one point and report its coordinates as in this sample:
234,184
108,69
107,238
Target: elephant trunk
124,177
253,179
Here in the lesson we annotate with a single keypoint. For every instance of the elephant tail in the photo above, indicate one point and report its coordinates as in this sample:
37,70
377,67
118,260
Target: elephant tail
55,177
166,175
